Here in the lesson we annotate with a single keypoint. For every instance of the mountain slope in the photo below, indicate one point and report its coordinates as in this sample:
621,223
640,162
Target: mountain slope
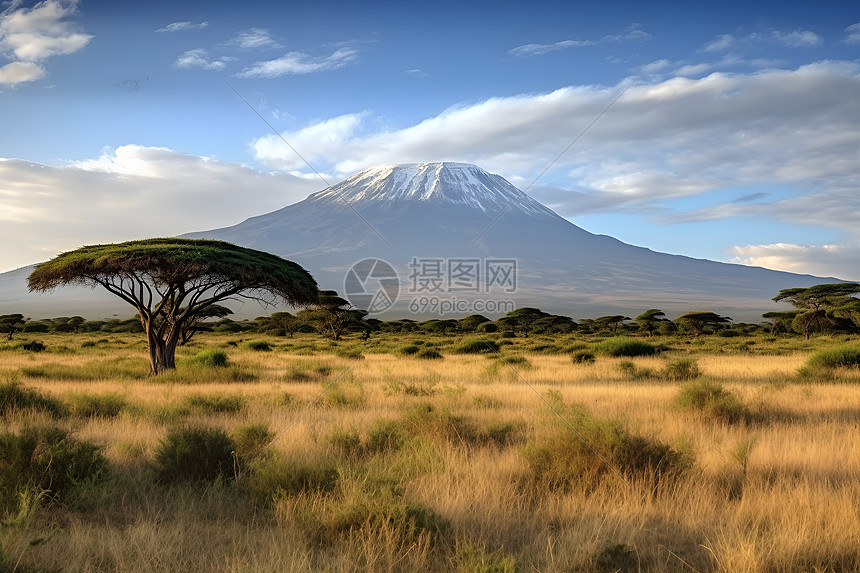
416,215
448,210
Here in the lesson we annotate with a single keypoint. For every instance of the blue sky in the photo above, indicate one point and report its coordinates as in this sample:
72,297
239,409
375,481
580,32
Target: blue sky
736,136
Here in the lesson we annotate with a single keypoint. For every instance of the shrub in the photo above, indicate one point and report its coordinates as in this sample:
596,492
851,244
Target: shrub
582,357
212,357
382,515
428,354
48,460
682,369
250,441
839,357
215,404
616,558
519,361
622,346
96,405
633,371
473,559
385,435
194,455
14,397
475,347
712,400
260,346
581,454
279,476
34,346
408,350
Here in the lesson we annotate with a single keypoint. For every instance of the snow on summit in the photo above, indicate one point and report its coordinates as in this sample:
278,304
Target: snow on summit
439,183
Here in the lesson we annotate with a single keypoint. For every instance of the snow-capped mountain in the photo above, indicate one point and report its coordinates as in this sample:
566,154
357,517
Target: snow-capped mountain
428,220
446,182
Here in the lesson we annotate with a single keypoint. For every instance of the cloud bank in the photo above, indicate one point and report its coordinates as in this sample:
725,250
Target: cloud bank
796,132
131,192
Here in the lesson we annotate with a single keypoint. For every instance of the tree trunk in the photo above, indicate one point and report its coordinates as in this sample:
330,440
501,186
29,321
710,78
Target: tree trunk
162,353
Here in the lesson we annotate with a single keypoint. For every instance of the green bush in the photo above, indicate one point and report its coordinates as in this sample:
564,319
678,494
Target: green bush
380,514
260,346
635,372
214,403
428,354
474,559
581,454
682,369
408,350
475,347
384,436
278,476
96,405
582,357
839,357
712,400
14,397
616,558
623,346
47,460
34,346
250,441
212,357
194,455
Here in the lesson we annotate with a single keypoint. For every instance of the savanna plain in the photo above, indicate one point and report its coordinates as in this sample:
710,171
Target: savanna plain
430,452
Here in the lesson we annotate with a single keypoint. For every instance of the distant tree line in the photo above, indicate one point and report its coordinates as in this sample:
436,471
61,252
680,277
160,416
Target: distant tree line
829,309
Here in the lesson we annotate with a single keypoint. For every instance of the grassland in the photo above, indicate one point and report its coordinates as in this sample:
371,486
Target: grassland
366,457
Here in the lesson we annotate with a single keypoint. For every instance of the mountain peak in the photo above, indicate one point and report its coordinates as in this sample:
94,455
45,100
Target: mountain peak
445,182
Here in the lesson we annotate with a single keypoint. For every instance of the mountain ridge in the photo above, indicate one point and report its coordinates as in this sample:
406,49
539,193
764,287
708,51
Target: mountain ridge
452,212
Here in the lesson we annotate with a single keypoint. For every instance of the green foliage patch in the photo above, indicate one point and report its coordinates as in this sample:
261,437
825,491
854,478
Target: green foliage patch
623,346
194,455
46,460
712,400
15,397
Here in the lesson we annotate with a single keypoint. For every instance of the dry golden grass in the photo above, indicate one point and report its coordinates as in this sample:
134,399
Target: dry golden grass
789,503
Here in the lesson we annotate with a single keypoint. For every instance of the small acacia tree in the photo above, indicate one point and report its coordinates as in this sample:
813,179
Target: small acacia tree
696,322
11,323
171,282
816,301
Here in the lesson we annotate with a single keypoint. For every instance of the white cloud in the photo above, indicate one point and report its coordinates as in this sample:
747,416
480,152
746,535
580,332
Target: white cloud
722,42
840,261
852,34
18,72
299,63
632,34
254,38
131,192
199,58
33,34
789,39
540,49
181,26
797,38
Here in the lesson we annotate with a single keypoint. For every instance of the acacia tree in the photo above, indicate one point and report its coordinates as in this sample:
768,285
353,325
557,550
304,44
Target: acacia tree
814,302
11,323
649,320
172,281
696,322
333,315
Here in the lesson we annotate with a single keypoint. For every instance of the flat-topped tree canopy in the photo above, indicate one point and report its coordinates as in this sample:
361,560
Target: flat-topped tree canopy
172,263
171,281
